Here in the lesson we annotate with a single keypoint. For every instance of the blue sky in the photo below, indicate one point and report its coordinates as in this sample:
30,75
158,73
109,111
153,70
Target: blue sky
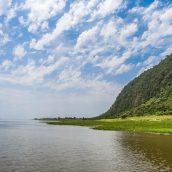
72,58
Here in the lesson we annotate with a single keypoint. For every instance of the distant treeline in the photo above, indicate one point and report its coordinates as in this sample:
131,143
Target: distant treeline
62,118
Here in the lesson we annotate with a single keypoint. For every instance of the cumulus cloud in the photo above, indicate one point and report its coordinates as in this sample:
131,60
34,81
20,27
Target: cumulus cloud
19,52
86,37
108,37
40,11
109,30
106,7
31,73
116,65
158,21
78,10
71,78
129,30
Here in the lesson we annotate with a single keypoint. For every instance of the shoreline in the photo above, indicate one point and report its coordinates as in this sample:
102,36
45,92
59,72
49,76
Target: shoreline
142,124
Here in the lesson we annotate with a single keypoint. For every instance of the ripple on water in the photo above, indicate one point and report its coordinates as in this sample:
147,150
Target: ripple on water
31,146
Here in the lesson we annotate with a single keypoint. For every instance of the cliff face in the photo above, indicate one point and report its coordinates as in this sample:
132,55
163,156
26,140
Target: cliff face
150,93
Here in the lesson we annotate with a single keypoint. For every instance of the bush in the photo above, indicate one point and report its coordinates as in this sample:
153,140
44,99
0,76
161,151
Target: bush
124,116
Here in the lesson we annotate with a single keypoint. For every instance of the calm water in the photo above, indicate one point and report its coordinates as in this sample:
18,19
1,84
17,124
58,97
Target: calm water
30,146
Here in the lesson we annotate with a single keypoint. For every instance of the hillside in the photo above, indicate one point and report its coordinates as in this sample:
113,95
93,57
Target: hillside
150,93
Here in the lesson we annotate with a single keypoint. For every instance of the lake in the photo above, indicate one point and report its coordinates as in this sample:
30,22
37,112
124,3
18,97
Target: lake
31,146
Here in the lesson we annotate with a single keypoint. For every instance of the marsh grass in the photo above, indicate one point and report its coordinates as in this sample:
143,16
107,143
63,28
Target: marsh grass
153,124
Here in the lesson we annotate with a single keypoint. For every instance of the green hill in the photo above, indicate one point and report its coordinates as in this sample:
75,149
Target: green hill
148,94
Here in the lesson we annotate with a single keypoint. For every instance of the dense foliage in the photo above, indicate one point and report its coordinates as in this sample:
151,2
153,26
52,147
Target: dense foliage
150,93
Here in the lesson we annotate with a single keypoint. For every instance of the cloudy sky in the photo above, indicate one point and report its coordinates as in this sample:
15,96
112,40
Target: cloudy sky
72,57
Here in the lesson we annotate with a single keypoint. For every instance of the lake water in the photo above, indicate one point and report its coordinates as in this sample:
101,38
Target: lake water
31,146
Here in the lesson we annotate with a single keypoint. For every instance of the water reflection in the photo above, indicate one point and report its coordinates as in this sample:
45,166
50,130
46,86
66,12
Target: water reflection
154,151
32,146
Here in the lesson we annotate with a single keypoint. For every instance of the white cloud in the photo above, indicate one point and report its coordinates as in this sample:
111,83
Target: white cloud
78,10
110,35
109,30
4,37
123,69
31,73
71,78
44,26
106,7
70,74
129,30
148,63
118,30
22,21
158,21
11,14
4,6
116,65
146,10
40,11
167,15
6,64
86,37
7,9
19,52
51,59
168,51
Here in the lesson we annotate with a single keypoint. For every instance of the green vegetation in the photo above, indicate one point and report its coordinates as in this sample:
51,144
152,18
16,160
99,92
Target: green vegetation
155,124
148,94
148,98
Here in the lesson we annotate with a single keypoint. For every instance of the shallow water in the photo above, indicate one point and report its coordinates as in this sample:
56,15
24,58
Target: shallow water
31,146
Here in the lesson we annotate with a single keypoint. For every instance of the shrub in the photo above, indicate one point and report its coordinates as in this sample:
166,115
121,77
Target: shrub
124,116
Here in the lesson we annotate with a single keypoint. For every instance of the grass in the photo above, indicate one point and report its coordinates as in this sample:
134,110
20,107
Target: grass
153,124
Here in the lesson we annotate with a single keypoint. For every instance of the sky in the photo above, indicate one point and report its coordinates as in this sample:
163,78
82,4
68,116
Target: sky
73,57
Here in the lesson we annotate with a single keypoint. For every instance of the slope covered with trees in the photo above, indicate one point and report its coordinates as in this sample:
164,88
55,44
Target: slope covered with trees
150,93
